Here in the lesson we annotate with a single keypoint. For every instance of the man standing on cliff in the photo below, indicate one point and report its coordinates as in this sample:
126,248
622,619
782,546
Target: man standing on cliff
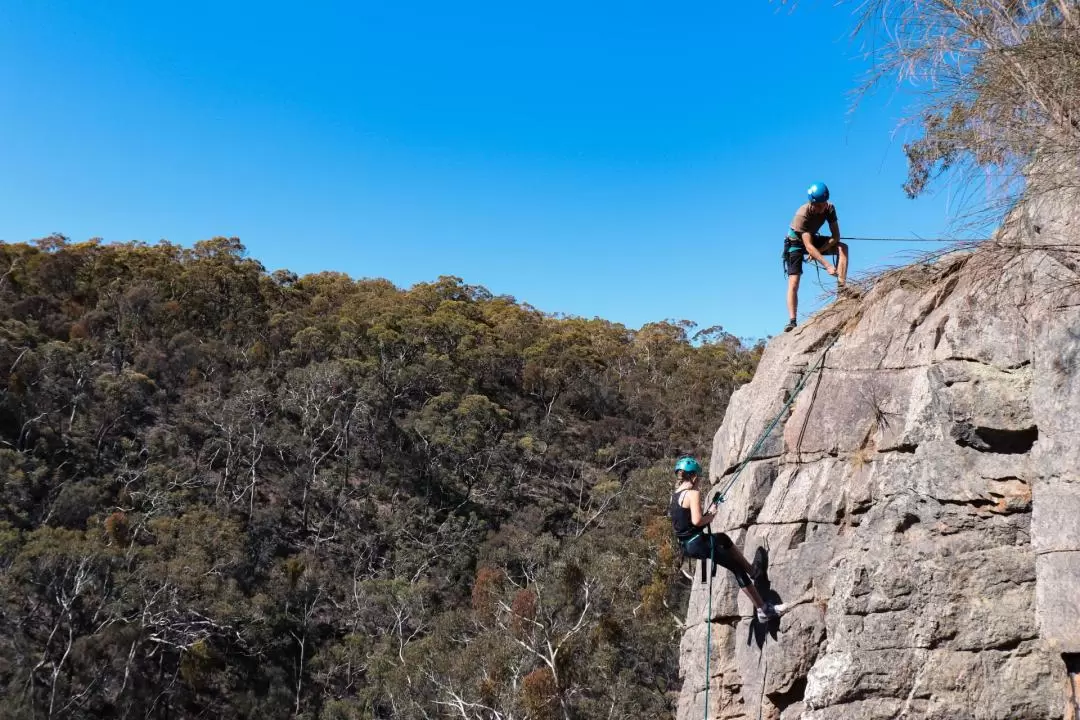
803,239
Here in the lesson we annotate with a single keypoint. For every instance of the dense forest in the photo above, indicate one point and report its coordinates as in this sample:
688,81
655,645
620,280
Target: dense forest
226,492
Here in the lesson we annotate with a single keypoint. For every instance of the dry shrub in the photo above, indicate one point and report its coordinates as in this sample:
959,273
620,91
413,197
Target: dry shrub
523,610
485,592
117,528
999,88
539,694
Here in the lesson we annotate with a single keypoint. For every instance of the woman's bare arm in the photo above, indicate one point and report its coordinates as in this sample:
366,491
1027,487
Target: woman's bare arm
692,501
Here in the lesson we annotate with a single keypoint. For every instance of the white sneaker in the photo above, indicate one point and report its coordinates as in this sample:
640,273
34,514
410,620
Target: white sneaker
770,612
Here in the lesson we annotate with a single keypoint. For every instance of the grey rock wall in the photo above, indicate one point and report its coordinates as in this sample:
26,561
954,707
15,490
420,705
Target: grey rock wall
920,503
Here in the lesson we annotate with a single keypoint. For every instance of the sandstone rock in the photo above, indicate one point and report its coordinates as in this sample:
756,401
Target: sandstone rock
920,501
1059,601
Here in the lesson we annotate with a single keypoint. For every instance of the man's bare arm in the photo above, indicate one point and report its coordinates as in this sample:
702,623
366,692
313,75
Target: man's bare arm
808,243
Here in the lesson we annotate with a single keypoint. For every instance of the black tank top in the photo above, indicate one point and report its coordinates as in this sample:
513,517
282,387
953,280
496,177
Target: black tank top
681,521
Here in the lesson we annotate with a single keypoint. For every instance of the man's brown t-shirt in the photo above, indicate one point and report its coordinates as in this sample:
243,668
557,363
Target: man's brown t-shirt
811,222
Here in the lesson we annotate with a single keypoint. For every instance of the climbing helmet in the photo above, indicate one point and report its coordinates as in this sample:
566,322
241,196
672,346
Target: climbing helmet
688,464
818,192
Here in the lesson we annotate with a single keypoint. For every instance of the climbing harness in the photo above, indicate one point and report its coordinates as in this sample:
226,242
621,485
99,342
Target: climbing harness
720,497
794,245
702,566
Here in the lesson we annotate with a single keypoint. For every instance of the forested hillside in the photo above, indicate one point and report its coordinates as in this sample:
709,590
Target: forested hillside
232,493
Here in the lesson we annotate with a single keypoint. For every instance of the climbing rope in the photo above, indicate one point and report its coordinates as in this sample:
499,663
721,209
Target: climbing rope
722,495
833,254
708,635
818,268
899,239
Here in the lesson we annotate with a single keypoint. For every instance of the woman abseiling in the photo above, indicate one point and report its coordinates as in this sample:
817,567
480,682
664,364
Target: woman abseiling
690,529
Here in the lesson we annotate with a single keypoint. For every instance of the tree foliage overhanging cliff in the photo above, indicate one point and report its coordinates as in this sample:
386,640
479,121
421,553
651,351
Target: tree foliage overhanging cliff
998,89
226,492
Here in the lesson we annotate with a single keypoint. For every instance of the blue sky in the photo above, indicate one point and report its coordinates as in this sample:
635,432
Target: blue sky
635,161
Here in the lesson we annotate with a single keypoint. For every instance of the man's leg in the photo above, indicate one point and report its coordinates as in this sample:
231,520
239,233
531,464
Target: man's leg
793,262
793,296
841,270
832,245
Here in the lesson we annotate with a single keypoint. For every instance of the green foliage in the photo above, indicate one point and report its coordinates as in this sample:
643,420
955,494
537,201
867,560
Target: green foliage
229,493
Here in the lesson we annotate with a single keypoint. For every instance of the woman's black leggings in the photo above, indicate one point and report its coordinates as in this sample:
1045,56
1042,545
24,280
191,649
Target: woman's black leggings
717,547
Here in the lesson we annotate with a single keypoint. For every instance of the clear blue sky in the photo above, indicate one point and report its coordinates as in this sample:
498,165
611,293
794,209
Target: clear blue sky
635,161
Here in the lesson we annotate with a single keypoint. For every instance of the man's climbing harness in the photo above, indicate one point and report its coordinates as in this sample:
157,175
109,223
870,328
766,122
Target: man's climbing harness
793,244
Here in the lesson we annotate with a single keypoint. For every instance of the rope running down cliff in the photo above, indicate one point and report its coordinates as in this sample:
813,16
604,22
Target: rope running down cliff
722,495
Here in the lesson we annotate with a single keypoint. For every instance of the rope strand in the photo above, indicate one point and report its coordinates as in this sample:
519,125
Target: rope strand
899,239
722,495
708,630
720,498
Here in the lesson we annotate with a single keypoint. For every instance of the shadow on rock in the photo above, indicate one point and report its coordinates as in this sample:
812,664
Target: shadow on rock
759,630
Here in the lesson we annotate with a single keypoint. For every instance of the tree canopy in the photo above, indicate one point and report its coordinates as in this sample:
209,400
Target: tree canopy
231,493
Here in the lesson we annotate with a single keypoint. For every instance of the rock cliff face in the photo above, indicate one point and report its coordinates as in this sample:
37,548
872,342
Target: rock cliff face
920,501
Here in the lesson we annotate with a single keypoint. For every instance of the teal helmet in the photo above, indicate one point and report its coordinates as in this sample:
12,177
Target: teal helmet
688,465
818,192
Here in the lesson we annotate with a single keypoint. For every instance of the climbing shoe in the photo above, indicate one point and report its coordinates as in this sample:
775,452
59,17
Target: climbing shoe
790,326
766,614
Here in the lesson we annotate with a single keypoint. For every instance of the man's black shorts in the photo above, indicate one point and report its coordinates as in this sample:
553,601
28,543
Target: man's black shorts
794,253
